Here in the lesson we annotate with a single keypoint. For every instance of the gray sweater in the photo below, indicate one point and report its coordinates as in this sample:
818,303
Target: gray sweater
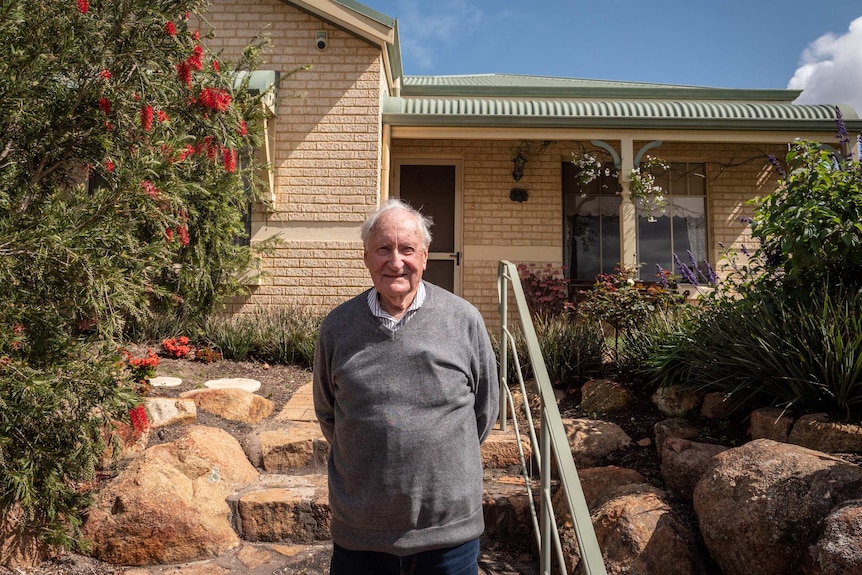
404,413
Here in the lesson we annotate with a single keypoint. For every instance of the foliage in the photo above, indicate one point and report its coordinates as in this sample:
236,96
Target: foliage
810,227
644,189
284,336
769,351
572,348
622,302
52,420
637,346
121,191
546,289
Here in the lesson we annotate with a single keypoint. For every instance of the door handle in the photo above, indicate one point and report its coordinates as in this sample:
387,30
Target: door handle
457,256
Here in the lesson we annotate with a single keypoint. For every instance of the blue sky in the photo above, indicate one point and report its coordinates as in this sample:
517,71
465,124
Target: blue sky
802,45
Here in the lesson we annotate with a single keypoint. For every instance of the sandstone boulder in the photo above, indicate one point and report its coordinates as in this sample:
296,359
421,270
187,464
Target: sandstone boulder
169,505
838,550
771,423
759,505
590,440
639,532
674,427
677,401
818,431
604,396
683,463
232,403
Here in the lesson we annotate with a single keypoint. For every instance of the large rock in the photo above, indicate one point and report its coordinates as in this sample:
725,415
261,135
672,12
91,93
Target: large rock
164,411
604,396
677,400
759,505
292,508
818,431
838,550
771,423
292,445
683,462
674,427
169,505
232,403
639,532
591,440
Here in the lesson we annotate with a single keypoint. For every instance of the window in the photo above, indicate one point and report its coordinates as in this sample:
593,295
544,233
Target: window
591,226
681,227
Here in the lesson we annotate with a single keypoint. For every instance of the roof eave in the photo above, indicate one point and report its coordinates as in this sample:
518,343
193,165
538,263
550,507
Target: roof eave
602,92
457,121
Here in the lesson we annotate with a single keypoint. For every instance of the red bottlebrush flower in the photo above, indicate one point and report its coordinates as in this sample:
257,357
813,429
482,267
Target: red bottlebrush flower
184,72
216,65
230,160
109,165
147,118
138,418
242,129
170,28
150,189
183,235
188,151
212,149
194,61
214,99
163,116
109,126
17,329
105,105
83,6
105,74
169,234
196,35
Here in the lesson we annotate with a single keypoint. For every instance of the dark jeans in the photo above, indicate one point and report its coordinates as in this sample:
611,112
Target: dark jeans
459,560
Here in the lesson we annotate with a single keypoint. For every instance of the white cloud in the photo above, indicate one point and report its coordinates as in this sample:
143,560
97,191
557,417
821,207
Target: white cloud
830,70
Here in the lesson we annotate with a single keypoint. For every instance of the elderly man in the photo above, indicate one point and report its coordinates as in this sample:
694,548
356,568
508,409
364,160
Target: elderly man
405,389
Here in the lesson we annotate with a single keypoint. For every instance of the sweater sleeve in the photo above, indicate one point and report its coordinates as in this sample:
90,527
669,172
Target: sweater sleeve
487,392
324,404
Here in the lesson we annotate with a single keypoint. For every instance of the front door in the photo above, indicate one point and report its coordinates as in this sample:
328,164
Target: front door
432,186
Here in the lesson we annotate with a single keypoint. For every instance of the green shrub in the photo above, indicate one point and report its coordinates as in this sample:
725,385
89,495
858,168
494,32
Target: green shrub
771,352
572,348
285,336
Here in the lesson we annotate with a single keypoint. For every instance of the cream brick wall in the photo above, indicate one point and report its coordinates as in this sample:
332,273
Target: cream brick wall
327,151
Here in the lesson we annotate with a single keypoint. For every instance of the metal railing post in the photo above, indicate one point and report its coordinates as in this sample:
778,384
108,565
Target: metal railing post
552,441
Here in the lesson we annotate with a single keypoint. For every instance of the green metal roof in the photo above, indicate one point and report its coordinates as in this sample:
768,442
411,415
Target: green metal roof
502,100
512,85
573,113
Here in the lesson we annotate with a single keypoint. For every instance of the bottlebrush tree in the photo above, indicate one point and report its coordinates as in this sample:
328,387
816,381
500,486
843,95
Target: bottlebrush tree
123,184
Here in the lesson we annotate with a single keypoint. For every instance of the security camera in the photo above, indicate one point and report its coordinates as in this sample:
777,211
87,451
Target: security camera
322,39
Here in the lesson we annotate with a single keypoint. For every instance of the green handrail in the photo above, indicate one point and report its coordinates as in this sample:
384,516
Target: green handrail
552,438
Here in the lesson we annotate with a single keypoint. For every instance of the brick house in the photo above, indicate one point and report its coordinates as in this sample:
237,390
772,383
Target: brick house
353,129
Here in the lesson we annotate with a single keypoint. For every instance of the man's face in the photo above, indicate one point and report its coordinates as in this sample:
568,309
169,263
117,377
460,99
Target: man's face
396,257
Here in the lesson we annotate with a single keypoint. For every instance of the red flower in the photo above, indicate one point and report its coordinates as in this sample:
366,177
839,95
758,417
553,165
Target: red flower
194,60
230,160
109,126
183,234
163,116
147,118
243,130
150,189
188,151
138,417
109,165
184,73
83,6
105,74
211,148
170,28
214,99
169,234
105,105
216,65
196,35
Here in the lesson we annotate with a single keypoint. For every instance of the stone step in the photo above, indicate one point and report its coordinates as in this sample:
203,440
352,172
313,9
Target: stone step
295,509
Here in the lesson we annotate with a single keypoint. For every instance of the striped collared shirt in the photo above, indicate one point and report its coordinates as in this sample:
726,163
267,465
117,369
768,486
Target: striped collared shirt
386,319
